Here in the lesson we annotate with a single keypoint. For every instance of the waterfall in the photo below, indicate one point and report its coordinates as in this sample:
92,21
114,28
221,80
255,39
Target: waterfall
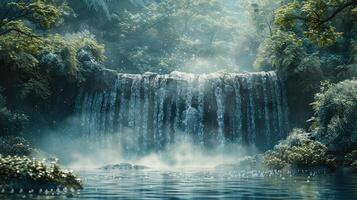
149,111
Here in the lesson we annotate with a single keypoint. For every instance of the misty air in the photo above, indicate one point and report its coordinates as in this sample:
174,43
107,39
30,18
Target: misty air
178,99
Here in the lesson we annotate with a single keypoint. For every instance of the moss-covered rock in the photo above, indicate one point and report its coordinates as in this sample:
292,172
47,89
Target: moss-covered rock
31,174
123,166
298,151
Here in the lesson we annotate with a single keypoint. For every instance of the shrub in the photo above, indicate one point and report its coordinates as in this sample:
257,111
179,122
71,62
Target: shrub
344,72
286,53
336,115
298,151
15,146
350,160
283,51
10,123
21,172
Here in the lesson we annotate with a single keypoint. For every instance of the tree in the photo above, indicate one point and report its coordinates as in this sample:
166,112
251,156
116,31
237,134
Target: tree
42,13
316,17
20,45
262,13
162,36
335,115
35,63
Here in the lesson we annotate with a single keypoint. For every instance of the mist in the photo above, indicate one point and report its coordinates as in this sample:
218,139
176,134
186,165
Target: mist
81,153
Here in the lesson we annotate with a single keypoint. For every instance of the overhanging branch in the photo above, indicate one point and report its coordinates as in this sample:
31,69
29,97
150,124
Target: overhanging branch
333,15
18,31
338,10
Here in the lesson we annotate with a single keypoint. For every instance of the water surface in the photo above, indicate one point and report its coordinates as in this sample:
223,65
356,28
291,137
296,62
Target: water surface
206,184
210,184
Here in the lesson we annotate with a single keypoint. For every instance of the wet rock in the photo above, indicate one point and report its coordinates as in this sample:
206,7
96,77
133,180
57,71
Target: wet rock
247,163
88,62
124,166
54,61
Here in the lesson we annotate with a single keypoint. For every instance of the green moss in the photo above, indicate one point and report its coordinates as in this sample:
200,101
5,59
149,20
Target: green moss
298,151
21,172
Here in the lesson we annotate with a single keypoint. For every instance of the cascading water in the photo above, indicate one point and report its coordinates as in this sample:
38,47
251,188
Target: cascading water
146,112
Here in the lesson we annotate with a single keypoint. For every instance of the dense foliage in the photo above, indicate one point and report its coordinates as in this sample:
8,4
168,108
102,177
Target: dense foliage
10,123
37,64
298,151
311,41
316,16
351,160
29,174
335,108
15,146
162,36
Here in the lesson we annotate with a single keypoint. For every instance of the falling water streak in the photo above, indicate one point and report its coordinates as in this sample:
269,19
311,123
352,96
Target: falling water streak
220,115
188,102
122,106
86,116
178,110
156,86
160,120
168,120
154,113
145,116
111,122
266,111
201,83
82,108
238,113
103,115
134,109
88,113
251,112
95,115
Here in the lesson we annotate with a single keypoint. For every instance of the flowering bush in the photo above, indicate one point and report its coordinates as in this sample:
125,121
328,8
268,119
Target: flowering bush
21,172
298,151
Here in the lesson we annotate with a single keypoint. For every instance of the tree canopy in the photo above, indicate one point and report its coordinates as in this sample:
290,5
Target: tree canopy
316,17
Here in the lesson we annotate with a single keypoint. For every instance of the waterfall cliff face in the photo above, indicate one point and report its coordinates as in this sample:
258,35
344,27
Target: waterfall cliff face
146,112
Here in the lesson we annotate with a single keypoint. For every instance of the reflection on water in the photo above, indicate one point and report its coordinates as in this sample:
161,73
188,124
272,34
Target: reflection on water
152,184
216,185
